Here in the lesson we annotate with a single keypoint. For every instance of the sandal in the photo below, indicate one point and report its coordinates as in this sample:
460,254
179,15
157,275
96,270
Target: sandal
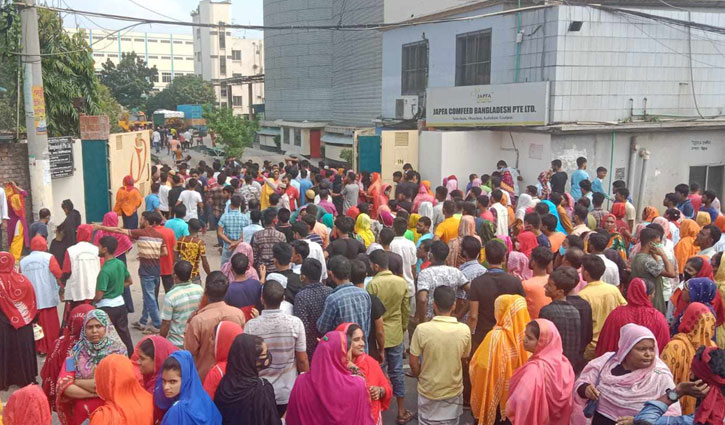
404,419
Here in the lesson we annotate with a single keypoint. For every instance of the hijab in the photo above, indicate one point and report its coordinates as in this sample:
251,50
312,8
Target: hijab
128,183
84,233
527,242
712,408
424,195
27,406
703,218
466,227
192,406
162,350
386,216
246,249
553,211
226,331
363,229
353,212
242,396
518,265
540,390
88,355
685,247
310,402
17,296
126,401
649,213
328,220
110,219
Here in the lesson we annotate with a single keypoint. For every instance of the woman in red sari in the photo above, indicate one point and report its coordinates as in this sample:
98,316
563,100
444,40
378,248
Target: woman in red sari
225,333
373,193
148,357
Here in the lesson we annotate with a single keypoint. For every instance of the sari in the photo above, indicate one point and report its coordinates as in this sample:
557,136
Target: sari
226,331
374,191
27,406
246,249
386,216
616,240
424,195
624,395
310,402
110,219
54,362
543,182
696,329
374,376
553,211
499,355
364,230
243,397
640,311
128,198
540,390
267,190
703,219
68,229
710,410
466,227
328,220
192,406
518,265
450,183
17,296
701,290
704,270
84,357
353,212
162,350
126,401
18,235
685,248
720,283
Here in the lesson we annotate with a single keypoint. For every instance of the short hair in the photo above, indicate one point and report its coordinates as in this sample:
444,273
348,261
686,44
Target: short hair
598,199
282,252
565,278
301,228
194,225
594,265
272,293
180,211
469,208
255,216
471,247
311,269
237,201
694,187
344,224
152,217
495,251
110,243
672,197
619,183
658,228
379,258
556,163
601,170
598,241
310,220
426,221
410,175
710,194
581,212
358,271
624,192
549,221
497,194
324,193
449,207
339,265
400,225
581,161
647,235
586,185
714,232
155,187
283,215
483,200
542,256
398,174
182,270
682,189
575,241
386,236
44,213
444,298
439,250
192,183
216,286
533,219
240,263
301,247
269,216
584,202
555,198
441,191
574,256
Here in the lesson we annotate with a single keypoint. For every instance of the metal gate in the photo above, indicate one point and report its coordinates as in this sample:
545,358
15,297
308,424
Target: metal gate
369,153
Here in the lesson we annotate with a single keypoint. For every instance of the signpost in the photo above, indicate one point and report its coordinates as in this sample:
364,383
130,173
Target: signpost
61,156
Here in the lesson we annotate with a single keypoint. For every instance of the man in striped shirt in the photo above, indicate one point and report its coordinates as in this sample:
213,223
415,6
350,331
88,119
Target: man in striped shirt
179,304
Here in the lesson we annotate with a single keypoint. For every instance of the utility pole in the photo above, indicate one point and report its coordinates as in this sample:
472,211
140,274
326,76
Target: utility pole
35,117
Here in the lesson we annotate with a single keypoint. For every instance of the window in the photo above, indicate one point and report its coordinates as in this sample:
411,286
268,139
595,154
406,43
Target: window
99,55
198,33
222,65
236,74
298,137
178,42
236,55
165,77
237,100
473,58
153,57
166,57
151,40
289,137
139,39
166,41
223,104
709,177
189,42
125,39
222,40
224,91
191,58
155,78
198,56
415,68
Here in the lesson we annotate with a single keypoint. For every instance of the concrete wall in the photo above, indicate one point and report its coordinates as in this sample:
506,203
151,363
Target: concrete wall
287,142
14,159
72,187
402,10
130,154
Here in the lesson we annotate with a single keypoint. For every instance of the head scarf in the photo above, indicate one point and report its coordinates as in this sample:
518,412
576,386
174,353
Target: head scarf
128,183
570,203
625,395
702,290
665,226
246,249
84,232
518,265
527,243
328,220
17,296
555,213
649,213
424,195
466,227
126,401
27,406
38,243
86,354
162,350
110,219
192,406
353,212
540,390
619,210
639,310
496,359
685,247
386,216
310,402
720,222
712,407
412,226
703,218
242,396
363,229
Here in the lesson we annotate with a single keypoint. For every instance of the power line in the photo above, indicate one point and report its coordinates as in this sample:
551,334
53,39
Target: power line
154,12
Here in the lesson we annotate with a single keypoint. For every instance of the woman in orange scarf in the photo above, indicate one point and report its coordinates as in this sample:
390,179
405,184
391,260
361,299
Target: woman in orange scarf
18,236
128,200
496,359
373,193
466,227
126,401
685,248
27,406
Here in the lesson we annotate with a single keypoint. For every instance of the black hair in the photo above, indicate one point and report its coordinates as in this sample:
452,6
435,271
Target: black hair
379,258
439,250
495,251
601,170
194,225
147,347
555,198
483,200
312,269
556,163
471,247
240,263
344,224
581,161
386,236
574,256
301,247
444,298
310,220
182,270
268,217
598,241
542,209
565,278
180,211
469,208
624,192
283,215
441,192
714,232
350,332
282,252
301,228
152,217
400,225
339,266
542,256
497,194
358,271
581,212
598,199
586,185
272,294
647,235
255,216
533,219
237,201
426,221
155,187
216,286
171,364
594,265
534,327
575,241
44,213
110,243
449,207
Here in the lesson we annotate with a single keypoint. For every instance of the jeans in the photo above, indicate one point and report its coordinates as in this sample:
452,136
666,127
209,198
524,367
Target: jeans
394,359
653,414
150,307
157,147
226,255
119,318
168,282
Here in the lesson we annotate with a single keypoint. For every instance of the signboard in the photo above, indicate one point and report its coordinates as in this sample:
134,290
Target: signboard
61,156
39,110
522,104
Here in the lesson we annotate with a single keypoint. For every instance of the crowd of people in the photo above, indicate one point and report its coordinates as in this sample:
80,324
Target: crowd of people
527,306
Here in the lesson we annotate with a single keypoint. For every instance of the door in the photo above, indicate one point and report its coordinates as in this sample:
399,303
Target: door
315,144
369,153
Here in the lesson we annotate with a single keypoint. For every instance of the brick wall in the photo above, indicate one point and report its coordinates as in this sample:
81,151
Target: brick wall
14,160
94,127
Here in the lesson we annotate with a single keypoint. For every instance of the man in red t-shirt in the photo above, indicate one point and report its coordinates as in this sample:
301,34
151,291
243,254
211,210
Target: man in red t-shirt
291,192
166,261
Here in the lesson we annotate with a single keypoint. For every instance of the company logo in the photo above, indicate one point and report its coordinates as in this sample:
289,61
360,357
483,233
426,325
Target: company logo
482,96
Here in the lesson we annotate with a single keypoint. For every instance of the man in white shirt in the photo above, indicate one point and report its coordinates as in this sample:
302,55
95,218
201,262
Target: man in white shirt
407,251
156,140
502,214
597,245
300,231
191,200
164,194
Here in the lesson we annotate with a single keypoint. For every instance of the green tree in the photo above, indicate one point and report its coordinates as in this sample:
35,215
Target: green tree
130,81
108,105
234,132
186,89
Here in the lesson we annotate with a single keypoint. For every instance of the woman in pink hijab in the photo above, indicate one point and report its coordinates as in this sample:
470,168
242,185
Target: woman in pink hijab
451,183
518,265
246,249
540,391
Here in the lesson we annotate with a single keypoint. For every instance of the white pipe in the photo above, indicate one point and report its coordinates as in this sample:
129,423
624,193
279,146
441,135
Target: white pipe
632,162
644,153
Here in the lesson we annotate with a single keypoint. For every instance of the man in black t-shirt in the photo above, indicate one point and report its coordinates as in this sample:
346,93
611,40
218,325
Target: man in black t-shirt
559,178
343,244
406,190
175,191
281,257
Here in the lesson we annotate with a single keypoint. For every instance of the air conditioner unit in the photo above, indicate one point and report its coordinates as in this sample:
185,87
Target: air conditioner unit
406,107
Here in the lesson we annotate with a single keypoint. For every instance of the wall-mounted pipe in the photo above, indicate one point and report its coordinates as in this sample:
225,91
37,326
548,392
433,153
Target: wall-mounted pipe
633,148
645,107
631,109
644,153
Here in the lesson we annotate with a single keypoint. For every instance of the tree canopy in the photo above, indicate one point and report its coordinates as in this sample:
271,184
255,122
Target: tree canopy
186,89
131,81
234,132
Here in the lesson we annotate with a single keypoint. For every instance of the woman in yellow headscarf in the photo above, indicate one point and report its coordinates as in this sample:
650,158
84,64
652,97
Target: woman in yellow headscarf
685,248
719,266
269,186
364,230
703,218
496,359
412,223
18,236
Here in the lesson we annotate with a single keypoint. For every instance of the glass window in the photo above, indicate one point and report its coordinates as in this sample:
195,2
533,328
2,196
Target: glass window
166,57
708,177
155,78
198,56
222,39
223,91
415,68
237,100
473,58
222,65
178,42
236,55
198,33
166,41
298,137
165,77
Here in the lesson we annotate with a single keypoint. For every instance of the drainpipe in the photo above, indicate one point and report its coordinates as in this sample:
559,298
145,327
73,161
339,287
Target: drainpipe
632,162
644,153
645,108
519,40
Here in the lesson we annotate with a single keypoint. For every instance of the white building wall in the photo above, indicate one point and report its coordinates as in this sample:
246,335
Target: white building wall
403,10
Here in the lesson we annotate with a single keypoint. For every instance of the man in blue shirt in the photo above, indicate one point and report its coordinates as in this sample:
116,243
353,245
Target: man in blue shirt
577,176
230,228
598,183
683,202
347,303
177,224
305,185
152,199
